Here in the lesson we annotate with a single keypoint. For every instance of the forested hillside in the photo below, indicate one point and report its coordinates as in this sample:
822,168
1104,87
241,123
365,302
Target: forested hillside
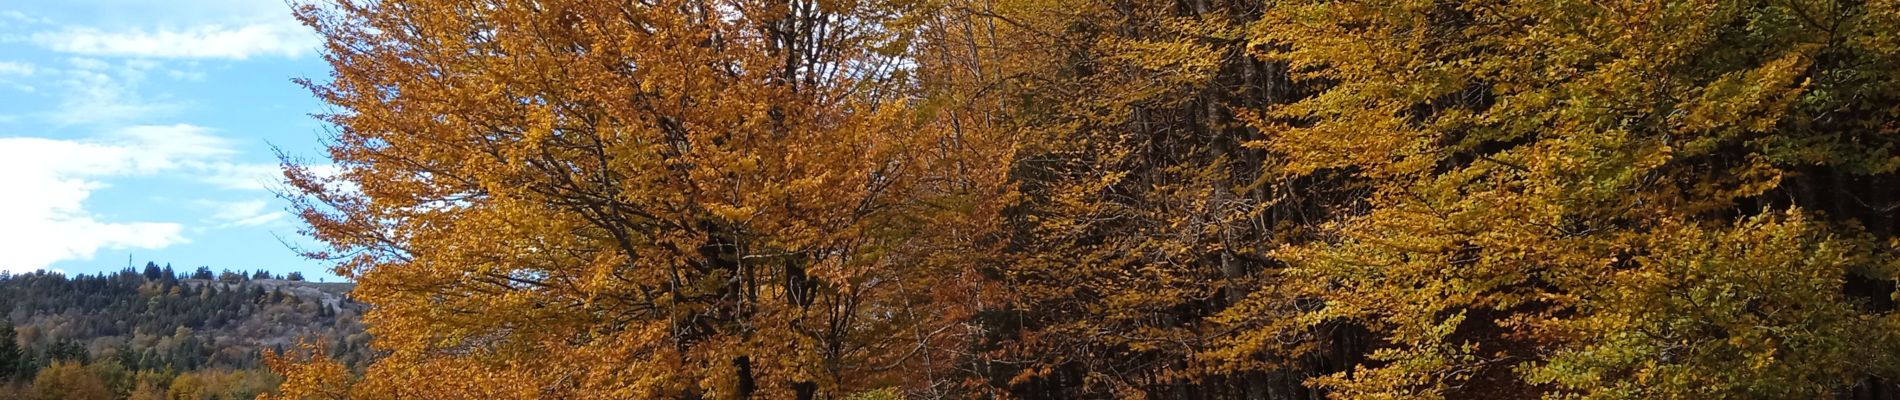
158,334
1056,199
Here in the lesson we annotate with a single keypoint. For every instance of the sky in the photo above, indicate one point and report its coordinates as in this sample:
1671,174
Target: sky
144,129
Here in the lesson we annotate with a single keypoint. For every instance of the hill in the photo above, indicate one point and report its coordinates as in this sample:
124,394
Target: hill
165,333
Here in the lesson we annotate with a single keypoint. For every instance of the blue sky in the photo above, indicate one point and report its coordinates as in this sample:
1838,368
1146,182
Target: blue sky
144,128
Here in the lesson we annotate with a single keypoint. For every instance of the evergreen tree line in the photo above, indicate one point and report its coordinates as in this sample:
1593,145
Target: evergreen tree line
157,331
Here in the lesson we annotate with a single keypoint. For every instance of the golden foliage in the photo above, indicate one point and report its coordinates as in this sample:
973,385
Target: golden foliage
1059,199
1580,199
683,198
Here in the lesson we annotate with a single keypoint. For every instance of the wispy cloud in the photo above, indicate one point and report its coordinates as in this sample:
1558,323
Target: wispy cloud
194,149
97,92
207,41
15,74
15,17
16,68
175,143
244,213
241,176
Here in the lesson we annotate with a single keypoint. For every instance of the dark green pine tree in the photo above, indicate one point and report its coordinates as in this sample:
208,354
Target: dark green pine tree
152,273
126,356
12,357
68,350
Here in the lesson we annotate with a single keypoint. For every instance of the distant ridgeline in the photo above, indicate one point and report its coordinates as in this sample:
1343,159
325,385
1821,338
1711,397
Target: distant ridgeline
139,334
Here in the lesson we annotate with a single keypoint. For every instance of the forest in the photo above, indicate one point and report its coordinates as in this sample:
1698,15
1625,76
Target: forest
157,334
1056,199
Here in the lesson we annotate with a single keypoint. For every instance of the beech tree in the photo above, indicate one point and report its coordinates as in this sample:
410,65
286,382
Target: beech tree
1597,199
1085,199
1143,213
638,199
69,381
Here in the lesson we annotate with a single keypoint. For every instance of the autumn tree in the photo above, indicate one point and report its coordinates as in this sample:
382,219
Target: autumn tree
1143,211
308,375
1082,199
639,199
69,381
1595,199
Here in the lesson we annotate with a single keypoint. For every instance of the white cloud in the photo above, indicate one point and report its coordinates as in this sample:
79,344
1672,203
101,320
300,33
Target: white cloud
12,72
16,68
98,92
192,148
204,41
17,17
186,75
90,64
237,176
44,220
244,213
175,143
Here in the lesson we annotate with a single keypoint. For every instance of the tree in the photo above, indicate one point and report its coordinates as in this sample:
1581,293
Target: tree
627,199
12,356
68,349
203,273
222,384
147,391
188,386
309,375
125,356
1085,199
69,381
294,276
119,380
1146,209
151,272
1595,200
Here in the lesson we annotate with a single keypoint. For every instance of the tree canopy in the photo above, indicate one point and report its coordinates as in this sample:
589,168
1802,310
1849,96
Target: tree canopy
1082,199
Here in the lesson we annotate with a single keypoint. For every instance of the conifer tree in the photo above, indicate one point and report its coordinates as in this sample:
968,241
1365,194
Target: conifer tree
12,356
